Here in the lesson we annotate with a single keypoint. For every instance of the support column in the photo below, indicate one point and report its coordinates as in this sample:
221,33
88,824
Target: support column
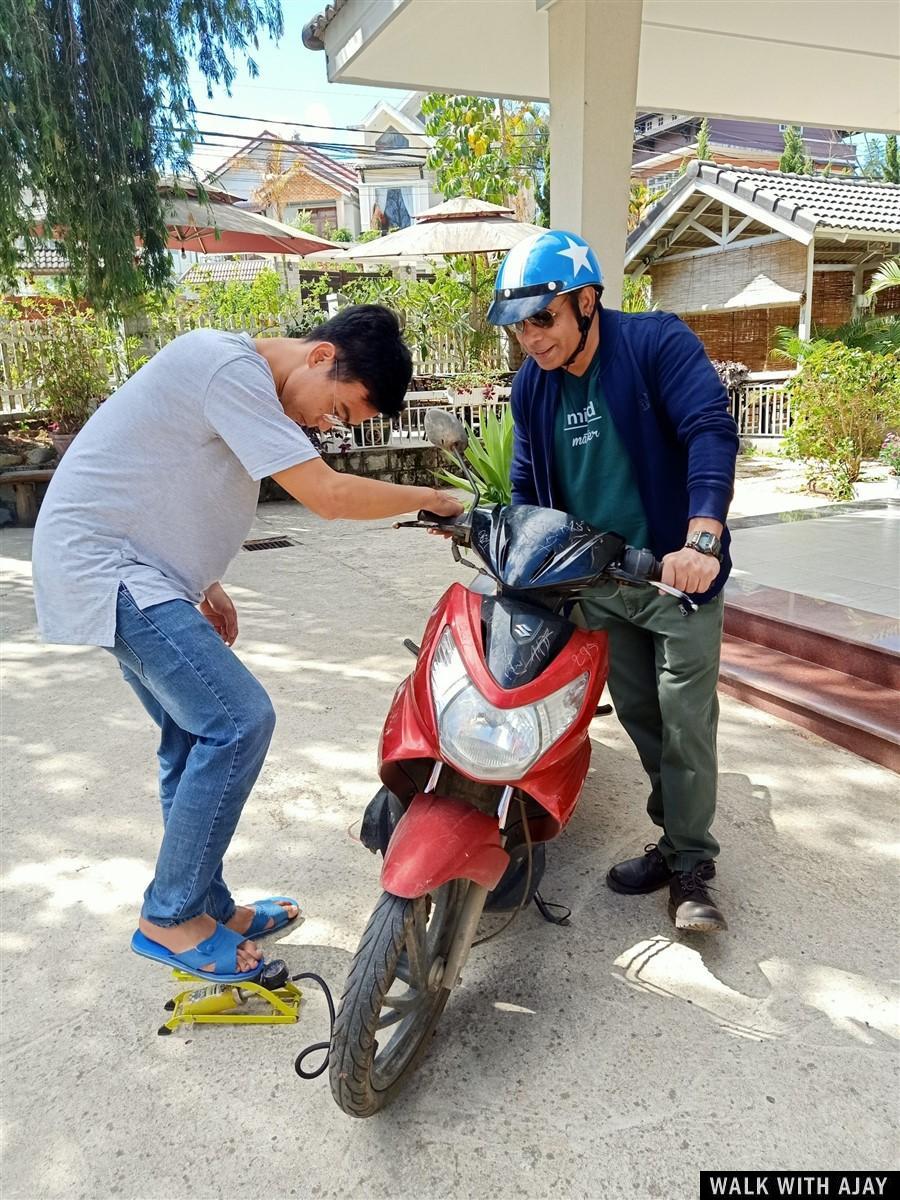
594,51
858,303
805,326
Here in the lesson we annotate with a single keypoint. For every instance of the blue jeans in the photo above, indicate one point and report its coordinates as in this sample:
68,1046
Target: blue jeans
216,722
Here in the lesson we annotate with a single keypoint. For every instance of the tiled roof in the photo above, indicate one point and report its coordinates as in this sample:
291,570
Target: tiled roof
45,261
225,270
830,201
314,29
326,168
810,203
380,162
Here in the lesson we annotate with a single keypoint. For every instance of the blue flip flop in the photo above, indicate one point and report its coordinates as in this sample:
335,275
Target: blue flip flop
263,910
220,949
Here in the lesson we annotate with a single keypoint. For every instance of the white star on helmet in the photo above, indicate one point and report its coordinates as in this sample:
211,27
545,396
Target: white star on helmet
578,255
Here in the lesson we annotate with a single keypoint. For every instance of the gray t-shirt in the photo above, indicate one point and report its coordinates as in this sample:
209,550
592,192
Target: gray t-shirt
160,487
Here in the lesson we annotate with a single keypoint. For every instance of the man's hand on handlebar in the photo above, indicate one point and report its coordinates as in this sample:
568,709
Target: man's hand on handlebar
690,571
445,504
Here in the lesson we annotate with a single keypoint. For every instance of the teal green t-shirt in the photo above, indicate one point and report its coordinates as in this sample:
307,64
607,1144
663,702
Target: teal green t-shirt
594,476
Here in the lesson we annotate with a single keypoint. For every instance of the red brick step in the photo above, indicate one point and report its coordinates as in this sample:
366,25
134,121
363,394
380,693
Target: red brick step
860,714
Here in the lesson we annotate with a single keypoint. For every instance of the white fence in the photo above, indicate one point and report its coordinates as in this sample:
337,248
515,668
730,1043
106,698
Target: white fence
448,356
408,429
761,406
21,364
22,358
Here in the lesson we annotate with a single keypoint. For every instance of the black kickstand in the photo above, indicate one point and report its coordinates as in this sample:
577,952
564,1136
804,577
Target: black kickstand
544,907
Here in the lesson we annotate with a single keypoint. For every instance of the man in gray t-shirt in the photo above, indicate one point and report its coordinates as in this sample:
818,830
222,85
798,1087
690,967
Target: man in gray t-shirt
140,521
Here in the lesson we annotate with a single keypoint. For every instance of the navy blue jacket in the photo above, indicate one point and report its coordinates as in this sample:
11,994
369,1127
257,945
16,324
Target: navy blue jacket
671,412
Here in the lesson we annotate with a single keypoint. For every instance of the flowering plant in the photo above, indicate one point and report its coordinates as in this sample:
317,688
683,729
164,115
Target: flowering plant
890,453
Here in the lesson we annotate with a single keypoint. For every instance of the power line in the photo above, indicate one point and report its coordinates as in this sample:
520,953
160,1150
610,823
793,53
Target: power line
358,151
205,112
344,91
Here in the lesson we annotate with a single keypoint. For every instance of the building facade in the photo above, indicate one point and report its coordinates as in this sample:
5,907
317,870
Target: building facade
663,141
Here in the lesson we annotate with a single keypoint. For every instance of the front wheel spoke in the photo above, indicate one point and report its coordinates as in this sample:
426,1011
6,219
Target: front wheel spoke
387,1019
403,1002
403,972
415,946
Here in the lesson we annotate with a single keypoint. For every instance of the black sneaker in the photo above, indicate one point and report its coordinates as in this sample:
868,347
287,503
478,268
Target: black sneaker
637,876
690,905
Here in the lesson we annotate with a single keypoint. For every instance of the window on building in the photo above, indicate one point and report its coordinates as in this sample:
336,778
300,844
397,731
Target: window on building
392,139
392,208
323,218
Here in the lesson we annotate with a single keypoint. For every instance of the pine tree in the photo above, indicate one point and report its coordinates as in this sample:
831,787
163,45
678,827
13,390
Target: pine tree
891,162
794,158
703,140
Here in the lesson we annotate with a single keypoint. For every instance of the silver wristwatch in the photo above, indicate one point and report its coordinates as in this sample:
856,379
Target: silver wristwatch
705,543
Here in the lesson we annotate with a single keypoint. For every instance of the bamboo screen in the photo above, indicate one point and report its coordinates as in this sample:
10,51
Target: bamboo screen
708,283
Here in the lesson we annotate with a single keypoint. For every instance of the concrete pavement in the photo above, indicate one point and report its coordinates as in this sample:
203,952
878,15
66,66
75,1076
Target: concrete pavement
609,1059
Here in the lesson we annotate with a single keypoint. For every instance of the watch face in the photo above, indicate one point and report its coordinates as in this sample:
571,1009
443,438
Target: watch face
706,543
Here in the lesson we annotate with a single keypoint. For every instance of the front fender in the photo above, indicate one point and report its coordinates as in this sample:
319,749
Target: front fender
439,839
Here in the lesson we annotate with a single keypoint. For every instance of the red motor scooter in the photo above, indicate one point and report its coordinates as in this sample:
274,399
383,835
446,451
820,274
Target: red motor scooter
483,756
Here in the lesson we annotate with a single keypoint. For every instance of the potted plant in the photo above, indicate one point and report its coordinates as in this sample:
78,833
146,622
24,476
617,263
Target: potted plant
69,368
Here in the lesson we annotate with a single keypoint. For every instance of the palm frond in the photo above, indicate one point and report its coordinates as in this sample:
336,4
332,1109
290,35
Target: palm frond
877,334
888,275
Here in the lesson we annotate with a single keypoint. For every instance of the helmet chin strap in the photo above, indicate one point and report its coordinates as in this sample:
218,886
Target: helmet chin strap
584,324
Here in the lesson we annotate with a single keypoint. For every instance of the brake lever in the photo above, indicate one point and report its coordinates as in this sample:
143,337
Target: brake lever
457,557
685,603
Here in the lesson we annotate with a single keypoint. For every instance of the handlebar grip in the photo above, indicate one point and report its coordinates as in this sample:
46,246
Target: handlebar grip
641,564
424,515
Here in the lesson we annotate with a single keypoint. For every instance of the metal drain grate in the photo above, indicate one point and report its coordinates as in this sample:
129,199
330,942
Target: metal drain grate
277,543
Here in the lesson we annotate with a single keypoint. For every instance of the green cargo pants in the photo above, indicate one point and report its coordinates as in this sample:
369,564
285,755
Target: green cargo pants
662,678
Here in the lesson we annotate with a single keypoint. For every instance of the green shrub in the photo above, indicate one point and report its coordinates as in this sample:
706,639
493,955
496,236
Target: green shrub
844,402
444,312
69,367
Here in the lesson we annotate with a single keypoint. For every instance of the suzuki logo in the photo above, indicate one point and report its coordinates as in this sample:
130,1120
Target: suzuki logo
522,631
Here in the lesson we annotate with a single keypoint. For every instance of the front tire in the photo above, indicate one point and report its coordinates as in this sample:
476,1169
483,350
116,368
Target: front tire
394,989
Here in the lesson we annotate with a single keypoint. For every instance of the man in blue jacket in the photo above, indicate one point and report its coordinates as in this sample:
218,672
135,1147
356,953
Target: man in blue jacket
620,419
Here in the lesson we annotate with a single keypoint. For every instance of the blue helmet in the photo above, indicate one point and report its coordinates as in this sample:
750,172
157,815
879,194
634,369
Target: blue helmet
545,265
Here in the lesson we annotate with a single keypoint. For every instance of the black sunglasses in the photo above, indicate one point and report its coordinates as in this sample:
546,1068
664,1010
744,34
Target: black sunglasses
540,320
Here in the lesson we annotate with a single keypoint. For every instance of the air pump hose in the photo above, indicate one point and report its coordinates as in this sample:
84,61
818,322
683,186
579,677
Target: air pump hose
298,1061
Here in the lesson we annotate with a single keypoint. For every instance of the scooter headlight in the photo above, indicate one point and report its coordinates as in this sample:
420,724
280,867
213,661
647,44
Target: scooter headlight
490,742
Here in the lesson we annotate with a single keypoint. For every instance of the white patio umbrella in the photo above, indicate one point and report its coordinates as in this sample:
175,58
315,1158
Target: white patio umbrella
459,226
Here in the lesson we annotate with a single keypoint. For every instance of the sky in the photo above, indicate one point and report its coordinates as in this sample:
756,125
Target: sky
291,86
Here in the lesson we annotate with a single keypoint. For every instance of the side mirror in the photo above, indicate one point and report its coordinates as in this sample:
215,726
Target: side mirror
445,431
